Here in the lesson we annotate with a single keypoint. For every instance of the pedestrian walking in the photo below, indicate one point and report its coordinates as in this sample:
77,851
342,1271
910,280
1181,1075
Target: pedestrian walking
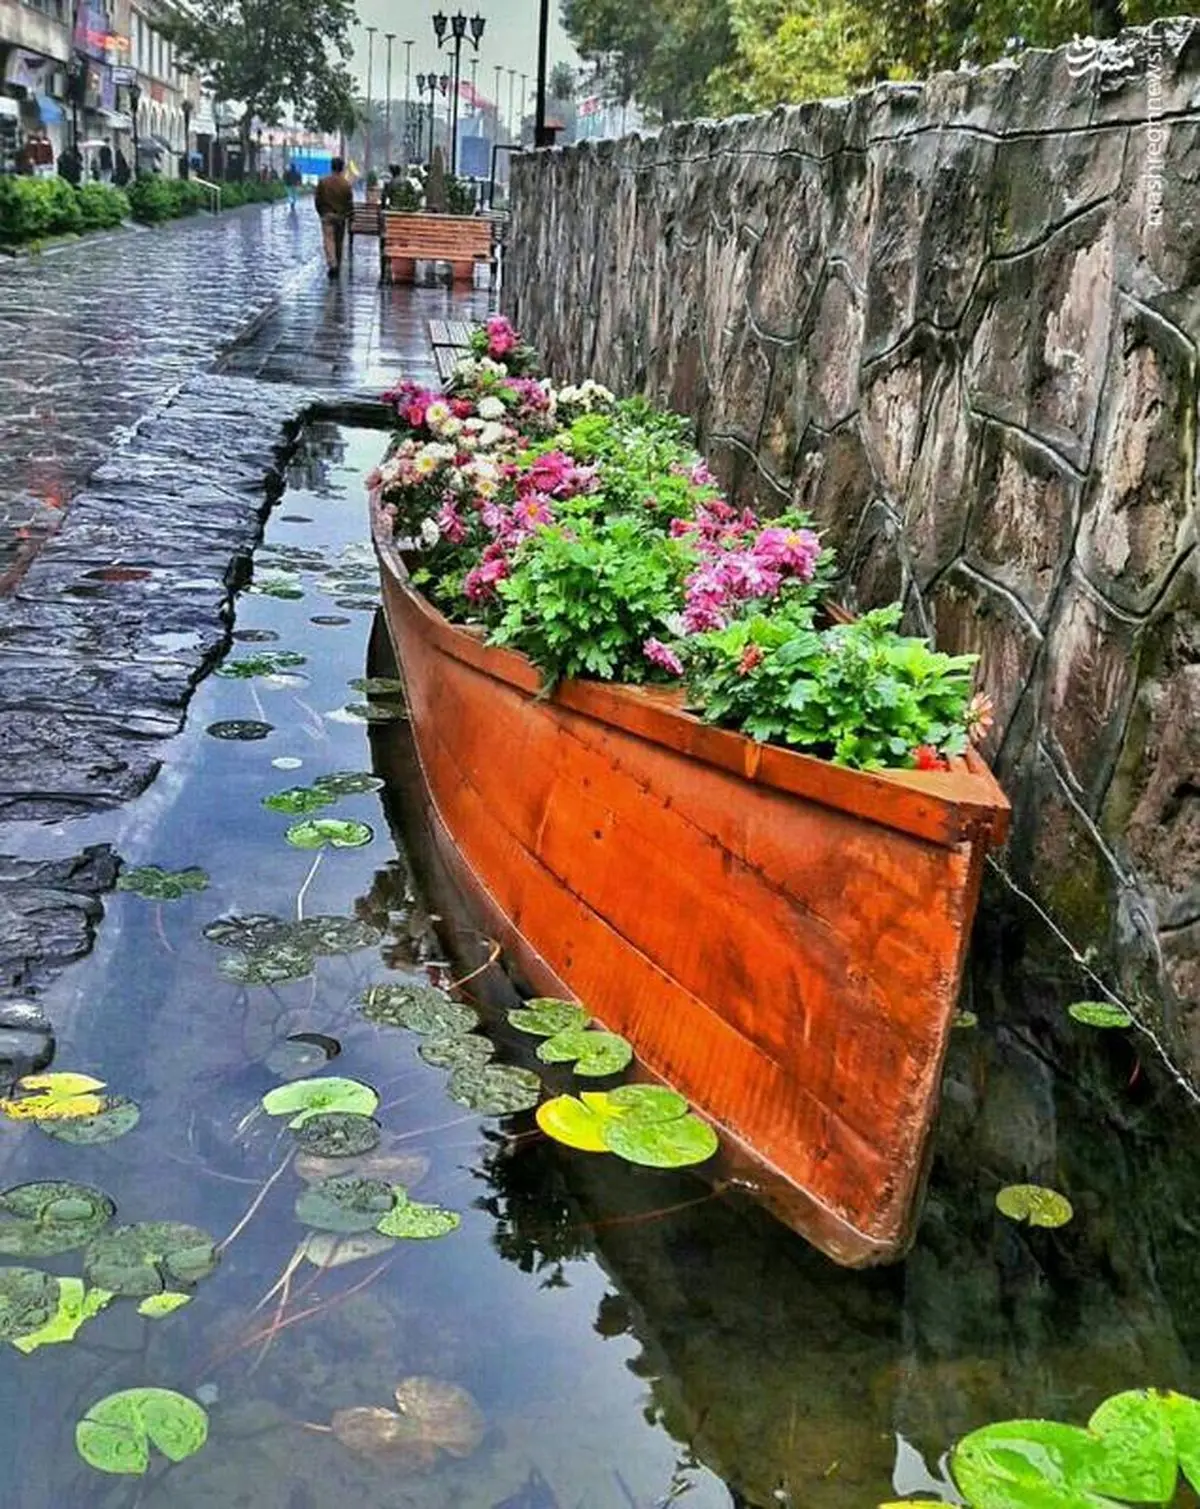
106,163
293,179
334,201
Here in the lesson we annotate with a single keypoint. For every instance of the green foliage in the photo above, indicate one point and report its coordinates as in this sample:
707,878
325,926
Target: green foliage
32,209
149,1258
101,207
594,1054
460,196
307,1098
645,1124
1034,1204
857,693
584,598
118,1431
803,50
157,884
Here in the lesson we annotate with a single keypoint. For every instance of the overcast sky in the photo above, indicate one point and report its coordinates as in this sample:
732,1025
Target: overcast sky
510,41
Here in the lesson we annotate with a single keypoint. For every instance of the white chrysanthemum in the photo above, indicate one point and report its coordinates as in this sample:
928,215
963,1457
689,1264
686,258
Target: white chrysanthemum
491,408
430,533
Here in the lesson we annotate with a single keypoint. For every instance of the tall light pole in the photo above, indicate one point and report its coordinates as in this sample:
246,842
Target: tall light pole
542,136
524,92
512,109
499,71
408,47
370,30
458,26
390,37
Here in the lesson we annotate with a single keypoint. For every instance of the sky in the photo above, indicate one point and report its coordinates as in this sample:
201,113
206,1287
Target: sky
510,41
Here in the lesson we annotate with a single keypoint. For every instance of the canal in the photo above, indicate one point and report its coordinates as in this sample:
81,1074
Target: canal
591,1335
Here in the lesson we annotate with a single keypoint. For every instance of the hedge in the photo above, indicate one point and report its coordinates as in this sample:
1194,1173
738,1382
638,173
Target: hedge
32,209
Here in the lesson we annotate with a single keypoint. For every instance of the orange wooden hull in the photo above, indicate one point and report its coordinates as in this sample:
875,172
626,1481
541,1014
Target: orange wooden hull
781,939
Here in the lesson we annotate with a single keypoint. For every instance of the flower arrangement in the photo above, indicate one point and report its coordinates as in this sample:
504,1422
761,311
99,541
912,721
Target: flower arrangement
587,533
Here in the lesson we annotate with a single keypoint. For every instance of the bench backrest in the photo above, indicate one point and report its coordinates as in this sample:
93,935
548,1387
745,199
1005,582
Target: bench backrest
459,232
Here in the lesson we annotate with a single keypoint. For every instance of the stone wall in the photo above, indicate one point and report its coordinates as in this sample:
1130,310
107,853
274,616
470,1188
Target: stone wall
958,322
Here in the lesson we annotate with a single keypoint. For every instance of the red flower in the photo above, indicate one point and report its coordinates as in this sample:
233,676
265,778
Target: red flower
751,656
461,408
925,757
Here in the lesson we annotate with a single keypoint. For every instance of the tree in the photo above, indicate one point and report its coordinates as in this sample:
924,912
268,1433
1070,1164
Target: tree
268,54
659,52
562,82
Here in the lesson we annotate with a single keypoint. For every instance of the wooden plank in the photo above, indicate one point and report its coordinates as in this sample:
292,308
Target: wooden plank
445,359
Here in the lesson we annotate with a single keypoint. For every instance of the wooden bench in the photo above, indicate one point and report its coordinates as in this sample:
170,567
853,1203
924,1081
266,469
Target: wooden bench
364,221
451,340
461,240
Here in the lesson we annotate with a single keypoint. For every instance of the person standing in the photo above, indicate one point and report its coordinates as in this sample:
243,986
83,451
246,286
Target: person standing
293,179
106,163
334,202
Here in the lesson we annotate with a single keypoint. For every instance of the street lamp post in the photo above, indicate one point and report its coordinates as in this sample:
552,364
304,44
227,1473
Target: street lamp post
420,115
524,94
499,71
513,128
408,47
542,135
458,26
135,99
370,30
390,37
187,138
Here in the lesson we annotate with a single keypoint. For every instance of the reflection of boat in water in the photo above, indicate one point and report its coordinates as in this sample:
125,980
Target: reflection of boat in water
780,938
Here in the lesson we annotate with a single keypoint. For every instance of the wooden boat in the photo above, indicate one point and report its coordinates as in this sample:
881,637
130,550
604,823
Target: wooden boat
781,939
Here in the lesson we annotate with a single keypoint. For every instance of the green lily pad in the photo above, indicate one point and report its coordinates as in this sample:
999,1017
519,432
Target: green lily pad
320,831
376,712
76,1305
1099,1014
965,1020
643,1104
1035,1205
155,1306
296,801
457,1052
679,1143
28,1299
328,935
412,1220
1184,1415
1028,1464
357,604
346,1204
261,665
348,783
117,1117
421,1008
377,686
1137,1460
325,1249
240,728
162,885
150,1258
572,1123
338,1134
38,1220
118,1431
287,762
495,1089
243,932
281,584
254,636
547,1018
266,935
269,966
330,620
306,1098
594,1054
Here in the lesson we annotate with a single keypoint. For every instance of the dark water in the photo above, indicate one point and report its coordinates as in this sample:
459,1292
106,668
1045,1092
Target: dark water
631,1339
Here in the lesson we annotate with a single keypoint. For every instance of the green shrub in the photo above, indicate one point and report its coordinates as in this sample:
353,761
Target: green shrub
101,207
33,208
152,200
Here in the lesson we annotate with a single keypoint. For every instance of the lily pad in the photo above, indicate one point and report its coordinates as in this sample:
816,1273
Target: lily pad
594,1054
325,1249
330,620
357,604
254,636
28,1299
261,665
328,935
152,1257
287,762
1099,1014
394,1168
55,1097
368,1430
240,728
320,831
965,1020
76,1304
679,1143
243,932
296,801
116,1116
495,1089
282,584
1137,1460
302,1054
346,1204
547,1018
414,1221
643,1104
348,782
269,966
377,686
1028,1464
162,885
457,1052
1035,1205
338,1134
376,712
445,1415
38,1220
118,1431
318,1097
572,1123
155,1306
421,1008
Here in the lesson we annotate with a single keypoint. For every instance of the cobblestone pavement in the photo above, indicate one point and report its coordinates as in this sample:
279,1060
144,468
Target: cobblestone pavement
94,335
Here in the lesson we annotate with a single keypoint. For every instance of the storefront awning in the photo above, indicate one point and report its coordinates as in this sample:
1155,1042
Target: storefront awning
115,119
50,110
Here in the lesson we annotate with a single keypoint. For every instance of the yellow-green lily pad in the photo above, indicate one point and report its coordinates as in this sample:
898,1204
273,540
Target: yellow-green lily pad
1035,1205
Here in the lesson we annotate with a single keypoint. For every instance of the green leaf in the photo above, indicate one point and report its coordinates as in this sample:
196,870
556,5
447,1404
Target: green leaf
348,783
338,1134
338,832
75,1306
1035,1205
298,800
421,1008
572,1123
495,1089
313,1097
645,1104
1184,1415
240,729
594,1054
28,1301
38,1220
1137,1458
116,1117
411,1219
376,712
155,1306
117,1432
543,1017
1027,1464
457,1052
347,1204
162,885
266,664
150,1258
377,686
1099,1014
678,1143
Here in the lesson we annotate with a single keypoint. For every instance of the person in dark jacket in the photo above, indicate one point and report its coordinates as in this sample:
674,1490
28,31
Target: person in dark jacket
334,202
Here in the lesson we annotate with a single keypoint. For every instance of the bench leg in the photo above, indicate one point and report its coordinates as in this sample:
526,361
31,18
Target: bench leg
403,269
462,272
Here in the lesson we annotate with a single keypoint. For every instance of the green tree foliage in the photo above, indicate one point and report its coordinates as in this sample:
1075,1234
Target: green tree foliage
268,54
659,52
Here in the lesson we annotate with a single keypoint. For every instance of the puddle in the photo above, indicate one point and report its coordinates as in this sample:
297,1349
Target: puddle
630,1339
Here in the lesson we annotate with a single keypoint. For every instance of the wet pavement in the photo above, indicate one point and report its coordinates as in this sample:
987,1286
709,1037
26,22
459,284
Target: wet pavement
145,415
